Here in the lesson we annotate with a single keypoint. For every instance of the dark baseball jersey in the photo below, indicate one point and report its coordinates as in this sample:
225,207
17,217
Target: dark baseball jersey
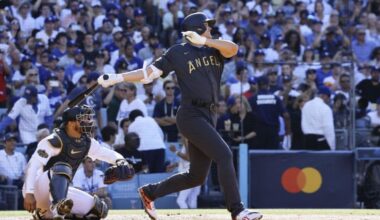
266,108
198,70
73,151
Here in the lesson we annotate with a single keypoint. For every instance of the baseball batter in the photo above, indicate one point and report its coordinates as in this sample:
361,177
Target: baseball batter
50,170
198,64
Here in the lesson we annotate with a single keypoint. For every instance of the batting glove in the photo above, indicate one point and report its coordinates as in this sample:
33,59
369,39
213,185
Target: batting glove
107,80
194,37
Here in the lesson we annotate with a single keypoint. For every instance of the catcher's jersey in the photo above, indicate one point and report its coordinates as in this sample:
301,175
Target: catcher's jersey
45,152
198,69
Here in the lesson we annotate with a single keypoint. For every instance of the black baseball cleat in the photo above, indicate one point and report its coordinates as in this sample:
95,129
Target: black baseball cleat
148,204
248,215
61,209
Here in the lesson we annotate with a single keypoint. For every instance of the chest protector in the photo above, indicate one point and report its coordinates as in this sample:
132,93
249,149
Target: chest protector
73,150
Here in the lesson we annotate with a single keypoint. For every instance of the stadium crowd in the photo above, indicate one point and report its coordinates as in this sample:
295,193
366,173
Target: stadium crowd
303,68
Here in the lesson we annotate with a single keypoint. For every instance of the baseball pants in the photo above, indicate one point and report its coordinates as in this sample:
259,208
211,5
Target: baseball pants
83,202
205,145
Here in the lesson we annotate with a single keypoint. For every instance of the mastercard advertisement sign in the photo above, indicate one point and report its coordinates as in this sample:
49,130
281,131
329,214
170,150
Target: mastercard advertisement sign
298,179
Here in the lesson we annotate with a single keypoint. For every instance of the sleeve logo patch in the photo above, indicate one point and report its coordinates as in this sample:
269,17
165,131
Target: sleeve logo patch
42,153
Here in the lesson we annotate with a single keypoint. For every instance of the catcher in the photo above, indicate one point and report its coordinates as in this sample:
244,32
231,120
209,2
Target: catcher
46,190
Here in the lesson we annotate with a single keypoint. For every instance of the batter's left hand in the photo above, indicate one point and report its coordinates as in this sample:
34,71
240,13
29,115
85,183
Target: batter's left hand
194,37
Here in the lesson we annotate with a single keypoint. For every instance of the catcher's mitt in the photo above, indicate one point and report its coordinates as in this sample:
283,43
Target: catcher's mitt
122,171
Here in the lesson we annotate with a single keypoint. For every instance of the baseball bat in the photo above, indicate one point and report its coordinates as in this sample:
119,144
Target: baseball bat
79,98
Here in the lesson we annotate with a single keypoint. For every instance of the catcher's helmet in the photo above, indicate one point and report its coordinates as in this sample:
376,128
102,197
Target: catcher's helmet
84,115
196,22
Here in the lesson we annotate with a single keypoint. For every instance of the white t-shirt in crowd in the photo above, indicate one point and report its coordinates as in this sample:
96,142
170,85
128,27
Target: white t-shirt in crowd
12,166
89,184
375,118
150,139
126,108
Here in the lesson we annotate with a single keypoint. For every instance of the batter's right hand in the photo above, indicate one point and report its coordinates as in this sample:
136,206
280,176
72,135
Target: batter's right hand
107,80
29,202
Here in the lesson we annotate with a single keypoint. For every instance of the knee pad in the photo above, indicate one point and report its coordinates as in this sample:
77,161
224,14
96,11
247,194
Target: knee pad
60,176
100,208
63,169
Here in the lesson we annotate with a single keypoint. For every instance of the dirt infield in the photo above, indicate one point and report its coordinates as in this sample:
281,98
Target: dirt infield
212,214
224,217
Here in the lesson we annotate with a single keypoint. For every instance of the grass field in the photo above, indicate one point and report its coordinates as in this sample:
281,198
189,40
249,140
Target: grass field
221,214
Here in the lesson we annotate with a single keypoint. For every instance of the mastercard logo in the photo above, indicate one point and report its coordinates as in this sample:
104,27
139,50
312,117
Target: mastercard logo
307,180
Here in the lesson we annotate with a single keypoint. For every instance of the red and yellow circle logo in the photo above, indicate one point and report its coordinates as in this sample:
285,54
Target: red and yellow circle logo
307,180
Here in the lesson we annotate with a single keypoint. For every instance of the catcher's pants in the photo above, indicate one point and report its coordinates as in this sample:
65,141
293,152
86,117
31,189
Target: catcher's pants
187,199
83,202
205,145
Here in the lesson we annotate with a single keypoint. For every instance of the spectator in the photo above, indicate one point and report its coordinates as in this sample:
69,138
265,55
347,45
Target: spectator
48,33
252,88
61,41
104,34
130,103
341,113
77,66
89,66
90,180
89,50
108,136
298,139
131,153
120,137
242,85
4,73
24,16
187,199
31,78
375,57
332,82
375,121
152,144
165,112
42,132
117,40
12,163
98,16
133,61
32,109
113,100
147,51
44,12
318,123
344,86
325,71
293,40
145,33
266,109
242,121
370,88
55,91
375,115
101,62
361,46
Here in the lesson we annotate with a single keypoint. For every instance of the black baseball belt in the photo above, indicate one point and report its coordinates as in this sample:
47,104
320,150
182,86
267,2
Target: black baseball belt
200,104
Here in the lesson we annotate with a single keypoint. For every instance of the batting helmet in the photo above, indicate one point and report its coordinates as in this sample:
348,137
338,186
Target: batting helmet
84,115
196,22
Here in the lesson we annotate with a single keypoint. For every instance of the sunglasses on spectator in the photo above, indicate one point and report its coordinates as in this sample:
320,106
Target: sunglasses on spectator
32,74
123,90
168,88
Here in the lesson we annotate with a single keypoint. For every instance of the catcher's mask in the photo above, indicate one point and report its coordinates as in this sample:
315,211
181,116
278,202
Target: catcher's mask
84,115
